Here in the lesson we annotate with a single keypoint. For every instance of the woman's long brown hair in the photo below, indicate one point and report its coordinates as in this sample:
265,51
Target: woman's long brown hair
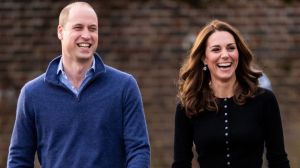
194,93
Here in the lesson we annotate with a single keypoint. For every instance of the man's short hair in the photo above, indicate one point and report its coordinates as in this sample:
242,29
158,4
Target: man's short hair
64,14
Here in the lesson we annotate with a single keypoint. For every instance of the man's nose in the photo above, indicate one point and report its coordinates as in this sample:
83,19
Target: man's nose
86,34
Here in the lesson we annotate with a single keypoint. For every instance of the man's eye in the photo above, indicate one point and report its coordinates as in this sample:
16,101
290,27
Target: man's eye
93,29
77,28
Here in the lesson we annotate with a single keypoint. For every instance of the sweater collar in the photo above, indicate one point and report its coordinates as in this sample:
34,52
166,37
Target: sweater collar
51,72
61,67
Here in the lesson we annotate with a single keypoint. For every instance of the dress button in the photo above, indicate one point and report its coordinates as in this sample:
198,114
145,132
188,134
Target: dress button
228,163
225,106
226,128
227,143
226,121
226,114
226,134
228,155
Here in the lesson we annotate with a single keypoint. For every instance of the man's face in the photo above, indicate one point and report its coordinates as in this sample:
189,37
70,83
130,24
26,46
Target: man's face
79,34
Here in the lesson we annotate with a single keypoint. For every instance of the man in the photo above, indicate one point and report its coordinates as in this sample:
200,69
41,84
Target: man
80,113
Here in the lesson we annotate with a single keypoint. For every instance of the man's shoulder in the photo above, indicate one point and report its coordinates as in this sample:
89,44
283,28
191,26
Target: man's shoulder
35,83
116,77
116,72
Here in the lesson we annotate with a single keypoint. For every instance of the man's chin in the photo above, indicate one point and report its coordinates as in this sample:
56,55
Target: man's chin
85,57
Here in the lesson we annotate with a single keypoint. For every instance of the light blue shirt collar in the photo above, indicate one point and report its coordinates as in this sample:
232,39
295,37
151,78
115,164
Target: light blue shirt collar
61,67
64,79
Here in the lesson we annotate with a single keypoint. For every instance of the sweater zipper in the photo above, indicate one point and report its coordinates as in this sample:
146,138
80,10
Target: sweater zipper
70,91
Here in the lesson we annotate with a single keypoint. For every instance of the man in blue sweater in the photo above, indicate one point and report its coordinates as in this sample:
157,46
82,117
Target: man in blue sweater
80,113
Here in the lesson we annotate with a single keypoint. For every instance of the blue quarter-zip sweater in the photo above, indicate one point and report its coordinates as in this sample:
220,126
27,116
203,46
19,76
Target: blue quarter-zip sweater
103,127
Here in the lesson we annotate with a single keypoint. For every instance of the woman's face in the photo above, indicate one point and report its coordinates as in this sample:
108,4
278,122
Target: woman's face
221,56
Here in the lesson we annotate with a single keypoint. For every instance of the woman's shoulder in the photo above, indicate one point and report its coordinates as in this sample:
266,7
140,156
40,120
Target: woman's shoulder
264,94
180,107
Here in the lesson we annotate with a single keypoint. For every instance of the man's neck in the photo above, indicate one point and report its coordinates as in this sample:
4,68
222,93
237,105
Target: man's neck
76,71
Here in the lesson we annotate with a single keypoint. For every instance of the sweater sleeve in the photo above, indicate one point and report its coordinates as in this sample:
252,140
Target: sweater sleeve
183,140
23,141
274,140
135,133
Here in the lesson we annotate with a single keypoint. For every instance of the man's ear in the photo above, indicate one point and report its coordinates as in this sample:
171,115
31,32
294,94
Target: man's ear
60,32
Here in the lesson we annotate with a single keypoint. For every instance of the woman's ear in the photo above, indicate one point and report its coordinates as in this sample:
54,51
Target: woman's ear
204,61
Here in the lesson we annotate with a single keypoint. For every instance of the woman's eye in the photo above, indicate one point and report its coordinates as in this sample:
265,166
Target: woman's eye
231,48
215,50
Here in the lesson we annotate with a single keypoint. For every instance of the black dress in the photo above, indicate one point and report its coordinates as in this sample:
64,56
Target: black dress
233,137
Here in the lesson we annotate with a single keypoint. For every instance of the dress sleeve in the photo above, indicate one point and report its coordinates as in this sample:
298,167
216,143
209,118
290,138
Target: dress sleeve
183,140
274,140
23,141
135,132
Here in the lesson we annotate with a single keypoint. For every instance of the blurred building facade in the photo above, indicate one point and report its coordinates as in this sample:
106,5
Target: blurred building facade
149,39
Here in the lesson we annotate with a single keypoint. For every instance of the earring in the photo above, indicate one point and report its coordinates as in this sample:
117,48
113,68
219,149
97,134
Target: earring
205,68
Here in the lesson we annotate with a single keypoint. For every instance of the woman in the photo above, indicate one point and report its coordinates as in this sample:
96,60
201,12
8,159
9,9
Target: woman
222,110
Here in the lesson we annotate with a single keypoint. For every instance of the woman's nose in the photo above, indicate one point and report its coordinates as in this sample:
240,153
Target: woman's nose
224,54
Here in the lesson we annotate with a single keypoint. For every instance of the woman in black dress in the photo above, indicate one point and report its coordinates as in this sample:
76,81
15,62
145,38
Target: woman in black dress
222,109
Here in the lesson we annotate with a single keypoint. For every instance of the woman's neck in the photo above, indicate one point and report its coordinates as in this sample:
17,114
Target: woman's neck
223,89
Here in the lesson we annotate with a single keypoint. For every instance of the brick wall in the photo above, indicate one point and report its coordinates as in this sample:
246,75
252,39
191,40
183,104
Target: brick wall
149,39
